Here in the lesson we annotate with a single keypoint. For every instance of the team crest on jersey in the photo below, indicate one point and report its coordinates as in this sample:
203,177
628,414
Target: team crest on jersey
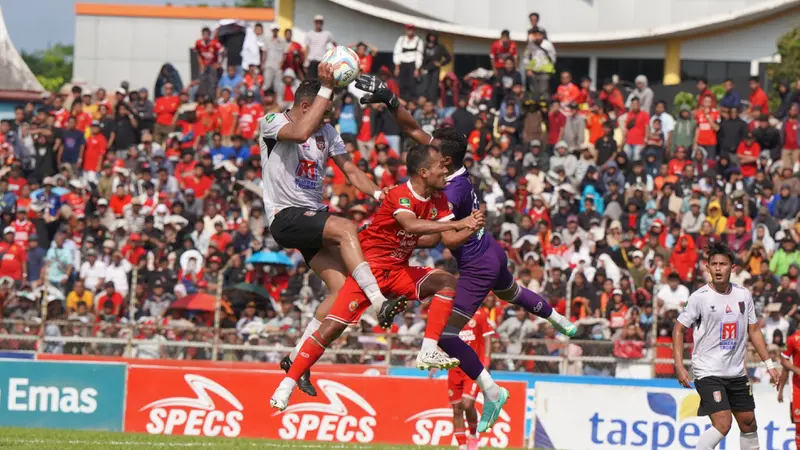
434,211
320,142
310,213
405,202
353,306
472,323
270,118
741,307
718,396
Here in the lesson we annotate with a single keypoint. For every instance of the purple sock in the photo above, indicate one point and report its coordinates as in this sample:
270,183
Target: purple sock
534,303
470,363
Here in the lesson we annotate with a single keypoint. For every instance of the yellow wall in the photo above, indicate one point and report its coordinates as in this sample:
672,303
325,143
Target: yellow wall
449,43
285,14
672,62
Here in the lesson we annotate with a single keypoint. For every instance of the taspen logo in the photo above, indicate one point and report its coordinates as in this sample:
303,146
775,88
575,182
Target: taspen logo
435,427
331,421
198,416
669,425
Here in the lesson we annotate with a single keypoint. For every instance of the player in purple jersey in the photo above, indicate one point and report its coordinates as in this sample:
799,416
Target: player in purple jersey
483,264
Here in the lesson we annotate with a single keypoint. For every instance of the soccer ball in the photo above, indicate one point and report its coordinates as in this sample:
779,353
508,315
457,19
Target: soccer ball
345,65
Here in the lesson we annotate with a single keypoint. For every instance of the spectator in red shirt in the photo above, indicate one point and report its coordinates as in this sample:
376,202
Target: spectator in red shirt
748,153
208,51
59,112
365,54
704,92
614,103
556,122
110,294
198,182
119,200
12,256
707,118
220,238
249,114
95,150
759,102
677,163
502,49
636,123
165,108
791,136
567,92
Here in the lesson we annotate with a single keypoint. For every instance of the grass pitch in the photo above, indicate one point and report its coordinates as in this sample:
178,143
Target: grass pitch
41,439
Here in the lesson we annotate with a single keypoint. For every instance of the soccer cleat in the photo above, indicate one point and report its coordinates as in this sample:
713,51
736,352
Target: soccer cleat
435,360
472,443
491,410
564,326
280,398
390,309
304,383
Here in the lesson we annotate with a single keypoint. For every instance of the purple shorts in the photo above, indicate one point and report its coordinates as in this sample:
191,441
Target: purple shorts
480,276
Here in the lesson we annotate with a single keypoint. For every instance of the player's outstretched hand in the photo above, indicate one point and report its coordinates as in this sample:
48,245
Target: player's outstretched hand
471,223
325,75
773,375
377,90
683,377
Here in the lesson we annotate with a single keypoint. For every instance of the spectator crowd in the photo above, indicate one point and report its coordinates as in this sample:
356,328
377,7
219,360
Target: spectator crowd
116,205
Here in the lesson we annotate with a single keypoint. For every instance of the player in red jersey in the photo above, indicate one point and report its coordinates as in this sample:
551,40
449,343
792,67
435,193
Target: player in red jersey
23,228
790,360
461,388
409,211
13,258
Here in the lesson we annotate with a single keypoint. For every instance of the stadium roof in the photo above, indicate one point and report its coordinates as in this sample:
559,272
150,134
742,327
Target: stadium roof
16,79
398,14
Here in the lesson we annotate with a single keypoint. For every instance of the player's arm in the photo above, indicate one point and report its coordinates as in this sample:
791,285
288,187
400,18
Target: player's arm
301,130
380,93
356,177
429,240
677,353
757,339
411,224
451,239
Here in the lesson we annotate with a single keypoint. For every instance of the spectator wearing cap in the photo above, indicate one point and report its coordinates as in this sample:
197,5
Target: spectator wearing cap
692,220
786,255
93,271
562,158
407,59
248,316
158,302
317,42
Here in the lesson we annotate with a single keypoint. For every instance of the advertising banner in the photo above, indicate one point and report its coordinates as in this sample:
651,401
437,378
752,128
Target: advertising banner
348,409
578,417
358,369
76,396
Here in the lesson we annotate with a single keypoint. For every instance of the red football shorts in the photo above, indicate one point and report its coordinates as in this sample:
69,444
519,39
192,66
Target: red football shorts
352,302
795,405
459,386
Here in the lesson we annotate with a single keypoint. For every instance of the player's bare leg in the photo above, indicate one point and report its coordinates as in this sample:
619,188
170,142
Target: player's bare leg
720,426
494,396
748,437
310,352
344,234
471,414
459,428
330,267
442,287
536,304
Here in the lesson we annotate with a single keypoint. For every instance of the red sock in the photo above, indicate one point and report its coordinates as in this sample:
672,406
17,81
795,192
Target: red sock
797,440
461,437
473,429
310,352
439,313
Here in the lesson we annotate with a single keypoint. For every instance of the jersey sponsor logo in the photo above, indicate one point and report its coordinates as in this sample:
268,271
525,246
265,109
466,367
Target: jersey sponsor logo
331,421
728,335
718,396
270,117
306,174
435,427
405,202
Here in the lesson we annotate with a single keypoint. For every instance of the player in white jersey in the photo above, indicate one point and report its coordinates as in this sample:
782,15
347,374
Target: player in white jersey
295,148
723,317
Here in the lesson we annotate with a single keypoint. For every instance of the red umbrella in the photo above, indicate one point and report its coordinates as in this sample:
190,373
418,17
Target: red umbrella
196,302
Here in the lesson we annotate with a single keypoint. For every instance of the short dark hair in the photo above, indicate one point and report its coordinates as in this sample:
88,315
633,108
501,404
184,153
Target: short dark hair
719,248
452,144
661,102
418,158
755,78
728,80
505,33
533,14
206,29
307,90
705,81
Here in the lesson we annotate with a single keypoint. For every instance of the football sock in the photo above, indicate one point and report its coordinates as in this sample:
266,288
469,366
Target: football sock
533,303
367,282
310,329
469,361
310,352
288,383
489,388
438,315
461,437
473,429
748,441
797,440
709,439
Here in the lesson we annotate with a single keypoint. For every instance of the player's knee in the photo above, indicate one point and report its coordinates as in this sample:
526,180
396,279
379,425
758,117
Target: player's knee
467,403
330,330
458,409
344,230
723,426
509,294
748,424
448,281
